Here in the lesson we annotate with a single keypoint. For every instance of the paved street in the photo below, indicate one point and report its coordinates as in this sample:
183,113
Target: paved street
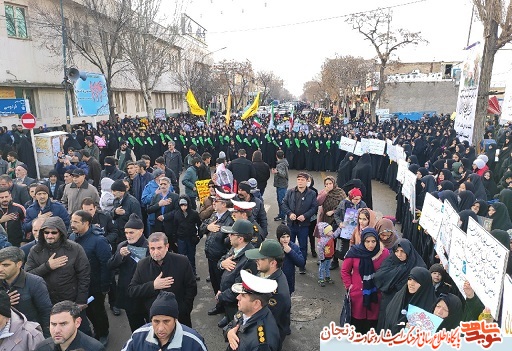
312,306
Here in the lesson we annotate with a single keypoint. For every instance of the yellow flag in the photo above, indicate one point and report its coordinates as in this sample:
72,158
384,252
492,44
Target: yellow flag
253,109
228,108
327,121
319,119
195,109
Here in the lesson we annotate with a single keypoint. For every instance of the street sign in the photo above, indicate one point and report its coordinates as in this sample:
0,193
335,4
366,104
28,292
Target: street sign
13,106
28,120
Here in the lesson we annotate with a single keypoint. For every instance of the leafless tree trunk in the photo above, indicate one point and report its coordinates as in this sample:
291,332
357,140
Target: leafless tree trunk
495,15
375,26
93,30
150,46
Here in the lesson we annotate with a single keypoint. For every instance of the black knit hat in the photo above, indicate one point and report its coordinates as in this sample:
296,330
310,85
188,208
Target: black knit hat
5,304
437,267
118,185
281,230
134,222
164,305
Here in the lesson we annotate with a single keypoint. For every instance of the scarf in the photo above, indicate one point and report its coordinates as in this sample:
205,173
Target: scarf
366,269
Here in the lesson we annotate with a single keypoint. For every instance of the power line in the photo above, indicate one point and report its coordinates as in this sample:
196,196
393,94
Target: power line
316,20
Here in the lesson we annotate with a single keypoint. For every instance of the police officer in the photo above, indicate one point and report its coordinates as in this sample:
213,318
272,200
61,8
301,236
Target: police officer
243,210
232,263
269,260
254,326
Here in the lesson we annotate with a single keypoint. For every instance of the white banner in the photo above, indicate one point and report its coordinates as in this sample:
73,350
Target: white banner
409,189
457,258
506,106
358,150
400,153
347,144
391,150
432,215
365,145
376,146
403,167
450,219
486,263
506,316
468,92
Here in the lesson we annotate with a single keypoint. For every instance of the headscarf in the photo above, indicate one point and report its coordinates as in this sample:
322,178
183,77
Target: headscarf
479,186
385,224
500,219
451,197
483,210
466,200
447,185
506,198
469,187
464,217
366,269
423,171
455,312
423,298
504,238
430,183
393,273
356,234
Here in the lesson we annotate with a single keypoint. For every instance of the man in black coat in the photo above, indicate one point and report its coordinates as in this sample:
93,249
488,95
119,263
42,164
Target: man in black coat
174,161
94,175
28,292
111,171
166,271
169,173
125,259
124,205
242,168
19,193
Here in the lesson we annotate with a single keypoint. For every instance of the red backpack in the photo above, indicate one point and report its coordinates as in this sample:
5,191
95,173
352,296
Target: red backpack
329,249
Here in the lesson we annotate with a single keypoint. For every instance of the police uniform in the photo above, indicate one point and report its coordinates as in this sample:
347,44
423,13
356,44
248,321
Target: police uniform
259,331
258,233
280,303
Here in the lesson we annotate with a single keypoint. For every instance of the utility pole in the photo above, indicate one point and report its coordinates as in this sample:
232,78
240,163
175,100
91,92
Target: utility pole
65,81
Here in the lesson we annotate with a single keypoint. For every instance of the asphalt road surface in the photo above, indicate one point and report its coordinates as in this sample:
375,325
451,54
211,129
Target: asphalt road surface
313,307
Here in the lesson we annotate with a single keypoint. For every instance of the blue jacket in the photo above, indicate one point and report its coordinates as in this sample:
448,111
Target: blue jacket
291,260
184,339
307,205
4,242
98,252
138,185
59,167
147,196
33,210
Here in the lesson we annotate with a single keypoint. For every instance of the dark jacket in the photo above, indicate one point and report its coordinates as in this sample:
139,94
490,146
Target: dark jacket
301,204
33,211
259,214
186,227
70,282
14,229
173,265
281,177
53,194
126,266
215,244
115,175
34,300
227,296
262,174
130,205
20,194
94,175
110,231
292,259
98,252
174,161
138,184
283,304
242,169
81,341
249,335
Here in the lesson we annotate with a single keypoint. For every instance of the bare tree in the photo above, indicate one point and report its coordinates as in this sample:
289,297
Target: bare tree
375,26
343,77
93,30
237,78
496,16
151,47
271,84
314,90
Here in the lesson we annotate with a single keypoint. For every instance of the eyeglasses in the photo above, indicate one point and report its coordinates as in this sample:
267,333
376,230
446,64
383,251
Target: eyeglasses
53,232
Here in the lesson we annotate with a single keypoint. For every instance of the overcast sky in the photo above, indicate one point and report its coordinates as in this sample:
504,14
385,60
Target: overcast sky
292,38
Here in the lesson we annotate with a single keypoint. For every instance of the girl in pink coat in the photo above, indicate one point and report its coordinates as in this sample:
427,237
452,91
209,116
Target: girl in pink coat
357,271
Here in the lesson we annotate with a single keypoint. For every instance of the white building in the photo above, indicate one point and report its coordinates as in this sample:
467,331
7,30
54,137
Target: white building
34,72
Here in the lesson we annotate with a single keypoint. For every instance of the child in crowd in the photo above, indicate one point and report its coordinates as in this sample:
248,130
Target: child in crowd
292,255
325,249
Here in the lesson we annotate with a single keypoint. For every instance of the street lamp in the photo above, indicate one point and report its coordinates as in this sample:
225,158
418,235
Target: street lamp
211,52
66,80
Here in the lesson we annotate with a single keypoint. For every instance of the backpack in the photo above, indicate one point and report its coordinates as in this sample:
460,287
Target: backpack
329,249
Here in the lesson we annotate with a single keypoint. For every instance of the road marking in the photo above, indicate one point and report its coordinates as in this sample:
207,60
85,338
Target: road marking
267,207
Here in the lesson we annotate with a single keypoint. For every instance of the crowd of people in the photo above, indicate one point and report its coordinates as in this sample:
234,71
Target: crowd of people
119,218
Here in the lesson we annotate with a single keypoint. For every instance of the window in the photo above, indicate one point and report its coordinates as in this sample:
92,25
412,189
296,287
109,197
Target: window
16,23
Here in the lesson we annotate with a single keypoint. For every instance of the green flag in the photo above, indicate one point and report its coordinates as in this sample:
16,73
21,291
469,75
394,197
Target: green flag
208,116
